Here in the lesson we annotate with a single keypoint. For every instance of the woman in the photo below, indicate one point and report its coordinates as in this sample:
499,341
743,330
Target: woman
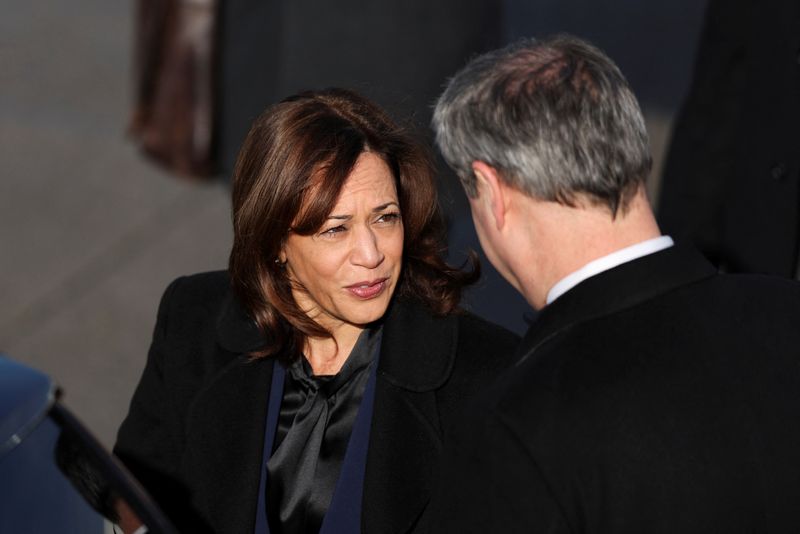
306,389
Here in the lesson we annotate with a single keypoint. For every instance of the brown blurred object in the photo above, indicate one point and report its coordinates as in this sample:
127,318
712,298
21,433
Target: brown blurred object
173,116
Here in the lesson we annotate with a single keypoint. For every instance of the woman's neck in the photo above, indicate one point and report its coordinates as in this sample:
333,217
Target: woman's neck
326,356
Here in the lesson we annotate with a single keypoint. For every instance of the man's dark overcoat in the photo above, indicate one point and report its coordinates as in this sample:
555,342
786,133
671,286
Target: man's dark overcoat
657,397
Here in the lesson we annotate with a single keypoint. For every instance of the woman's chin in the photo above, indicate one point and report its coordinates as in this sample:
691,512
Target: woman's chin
366,312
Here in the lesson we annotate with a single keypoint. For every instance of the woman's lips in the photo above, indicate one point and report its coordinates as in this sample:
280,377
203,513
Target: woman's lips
368,290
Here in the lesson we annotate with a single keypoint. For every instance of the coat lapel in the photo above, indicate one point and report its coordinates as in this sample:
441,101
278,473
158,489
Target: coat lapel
417,356
226,424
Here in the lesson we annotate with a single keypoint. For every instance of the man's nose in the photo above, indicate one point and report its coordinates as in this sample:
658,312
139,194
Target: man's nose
366,250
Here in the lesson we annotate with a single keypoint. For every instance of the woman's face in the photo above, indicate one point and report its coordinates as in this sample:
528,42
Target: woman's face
350,267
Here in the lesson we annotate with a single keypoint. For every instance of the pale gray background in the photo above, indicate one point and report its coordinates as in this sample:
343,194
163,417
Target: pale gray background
90,233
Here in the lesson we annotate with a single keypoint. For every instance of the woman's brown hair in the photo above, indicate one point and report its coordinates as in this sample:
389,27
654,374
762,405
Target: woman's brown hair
298,155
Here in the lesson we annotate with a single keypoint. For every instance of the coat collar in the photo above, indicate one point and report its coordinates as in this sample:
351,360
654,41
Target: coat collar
236,330
417,356
417,352
418,349
616,289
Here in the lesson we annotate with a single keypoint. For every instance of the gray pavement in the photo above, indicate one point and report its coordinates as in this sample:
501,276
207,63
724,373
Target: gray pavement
90,233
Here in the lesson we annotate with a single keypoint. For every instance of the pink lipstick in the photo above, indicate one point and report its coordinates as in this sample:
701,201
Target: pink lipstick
368,290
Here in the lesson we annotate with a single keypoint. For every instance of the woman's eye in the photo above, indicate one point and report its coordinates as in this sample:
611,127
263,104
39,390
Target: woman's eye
333,231
392,217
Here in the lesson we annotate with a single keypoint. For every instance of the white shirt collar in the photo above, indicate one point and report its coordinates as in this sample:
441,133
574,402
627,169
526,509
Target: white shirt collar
607,262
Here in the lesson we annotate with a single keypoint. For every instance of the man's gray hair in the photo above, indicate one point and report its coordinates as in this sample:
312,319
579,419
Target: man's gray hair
555,117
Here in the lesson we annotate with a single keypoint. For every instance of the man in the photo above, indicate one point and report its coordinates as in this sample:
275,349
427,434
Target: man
652,394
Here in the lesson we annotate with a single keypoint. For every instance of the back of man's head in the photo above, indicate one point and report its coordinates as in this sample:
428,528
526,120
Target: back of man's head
555,117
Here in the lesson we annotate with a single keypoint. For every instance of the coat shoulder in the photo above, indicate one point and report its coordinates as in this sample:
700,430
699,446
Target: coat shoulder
188,322
479,329
199,289
485,343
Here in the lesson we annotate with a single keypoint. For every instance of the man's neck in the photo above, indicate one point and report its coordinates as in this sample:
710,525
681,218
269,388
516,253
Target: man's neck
562,239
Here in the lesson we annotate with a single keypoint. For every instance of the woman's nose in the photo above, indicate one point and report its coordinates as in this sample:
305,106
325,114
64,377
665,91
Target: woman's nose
366,251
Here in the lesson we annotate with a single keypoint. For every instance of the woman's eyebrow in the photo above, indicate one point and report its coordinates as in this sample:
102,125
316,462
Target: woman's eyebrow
384,206
374,210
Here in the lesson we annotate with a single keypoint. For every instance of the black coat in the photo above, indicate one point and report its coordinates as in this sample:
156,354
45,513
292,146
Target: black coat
194,433
656,397
731,182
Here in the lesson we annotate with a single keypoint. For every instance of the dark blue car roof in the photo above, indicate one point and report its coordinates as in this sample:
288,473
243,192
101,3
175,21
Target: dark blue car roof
25,397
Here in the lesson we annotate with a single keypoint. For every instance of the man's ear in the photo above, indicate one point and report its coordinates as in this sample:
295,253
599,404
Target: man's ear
494,189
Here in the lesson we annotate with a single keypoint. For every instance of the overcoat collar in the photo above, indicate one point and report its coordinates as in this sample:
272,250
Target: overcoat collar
619,288
420,346
417,357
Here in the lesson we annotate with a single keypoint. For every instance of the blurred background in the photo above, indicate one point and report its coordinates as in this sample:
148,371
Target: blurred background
91,231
